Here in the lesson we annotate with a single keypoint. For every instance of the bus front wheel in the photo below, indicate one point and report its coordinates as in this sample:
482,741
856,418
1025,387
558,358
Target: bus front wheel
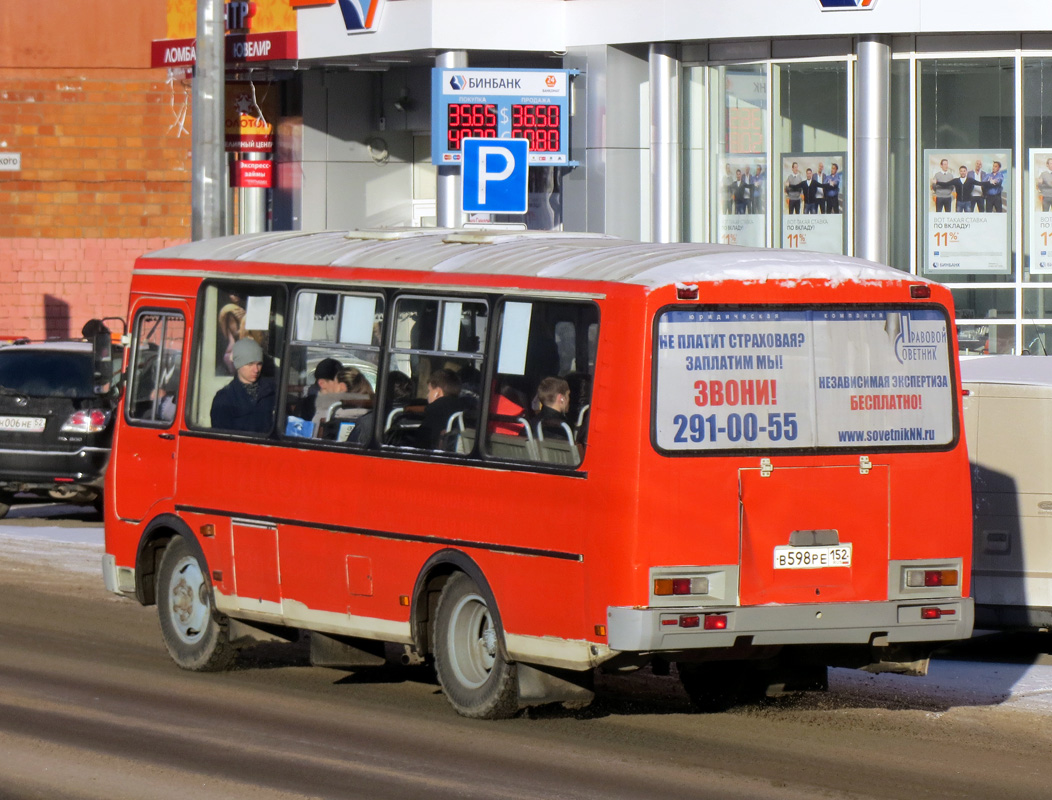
476,678
194,638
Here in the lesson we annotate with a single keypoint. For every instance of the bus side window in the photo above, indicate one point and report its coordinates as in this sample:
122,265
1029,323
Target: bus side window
153,388
541,397
330,383
434,374
228,313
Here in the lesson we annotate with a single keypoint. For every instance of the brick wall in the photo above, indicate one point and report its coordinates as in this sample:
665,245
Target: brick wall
105,177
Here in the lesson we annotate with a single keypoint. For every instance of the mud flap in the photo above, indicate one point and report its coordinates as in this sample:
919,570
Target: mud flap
540,685
345,652
900,659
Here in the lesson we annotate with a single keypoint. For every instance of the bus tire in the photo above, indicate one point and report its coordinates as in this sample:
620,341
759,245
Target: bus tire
195,637
471,668
7,499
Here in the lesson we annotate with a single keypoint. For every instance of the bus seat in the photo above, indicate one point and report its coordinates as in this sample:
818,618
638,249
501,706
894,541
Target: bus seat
451,439
582,420
519,446
455,422
558,450
401,427
465,442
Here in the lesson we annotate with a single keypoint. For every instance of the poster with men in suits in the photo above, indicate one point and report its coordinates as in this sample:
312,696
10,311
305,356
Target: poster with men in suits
742,216
814,195
1039,209
965,195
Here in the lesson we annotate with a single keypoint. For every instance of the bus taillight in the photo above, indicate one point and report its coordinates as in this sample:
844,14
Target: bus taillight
664,587
933,612
715,622
931,577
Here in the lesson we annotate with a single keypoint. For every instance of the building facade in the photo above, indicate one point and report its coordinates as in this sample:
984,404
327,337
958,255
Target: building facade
925,125
94,159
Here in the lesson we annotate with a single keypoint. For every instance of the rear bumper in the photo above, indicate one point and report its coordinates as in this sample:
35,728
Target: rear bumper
85,466
651,630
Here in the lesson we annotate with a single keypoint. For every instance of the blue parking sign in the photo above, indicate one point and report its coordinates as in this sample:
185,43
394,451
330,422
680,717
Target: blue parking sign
495,175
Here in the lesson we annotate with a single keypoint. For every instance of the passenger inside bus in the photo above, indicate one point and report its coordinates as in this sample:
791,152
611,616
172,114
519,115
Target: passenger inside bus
166,397
399,393
552,422
247,402
324,376
508,411
443,401
339,409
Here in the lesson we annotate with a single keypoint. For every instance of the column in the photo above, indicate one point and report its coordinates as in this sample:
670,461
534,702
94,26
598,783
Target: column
447,191
664,142
870,181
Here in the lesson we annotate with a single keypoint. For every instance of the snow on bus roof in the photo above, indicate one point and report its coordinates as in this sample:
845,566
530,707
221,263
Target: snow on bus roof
546,254
1025,370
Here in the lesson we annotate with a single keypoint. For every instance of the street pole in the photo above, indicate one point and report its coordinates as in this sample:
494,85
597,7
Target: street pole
207,201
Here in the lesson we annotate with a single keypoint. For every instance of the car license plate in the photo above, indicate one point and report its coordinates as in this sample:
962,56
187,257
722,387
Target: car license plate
818,557
23,424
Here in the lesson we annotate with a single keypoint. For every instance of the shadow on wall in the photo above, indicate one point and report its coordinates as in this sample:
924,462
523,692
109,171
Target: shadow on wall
56,318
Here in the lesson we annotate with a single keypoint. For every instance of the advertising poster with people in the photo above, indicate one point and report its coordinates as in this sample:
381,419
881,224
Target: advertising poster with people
814,196
788,379
742,217
1039,208
965,196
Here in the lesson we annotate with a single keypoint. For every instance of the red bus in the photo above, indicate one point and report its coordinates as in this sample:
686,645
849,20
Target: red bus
525,456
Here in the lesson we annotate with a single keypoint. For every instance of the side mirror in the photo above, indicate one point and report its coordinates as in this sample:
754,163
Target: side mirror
101,355
102,362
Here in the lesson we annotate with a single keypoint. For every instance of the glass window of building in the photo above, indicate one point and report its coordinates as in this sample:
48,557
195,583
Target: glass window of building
810,161
1037,206
740,186
965,188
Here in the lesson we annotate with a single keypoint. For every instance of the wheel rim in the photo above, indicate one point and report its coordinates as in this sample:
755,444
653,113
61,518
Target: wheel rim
473,641
188,601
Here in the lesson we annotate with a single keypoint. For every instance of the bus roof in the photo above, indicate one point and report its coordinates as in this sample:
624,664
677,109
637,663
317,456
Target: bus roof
543,254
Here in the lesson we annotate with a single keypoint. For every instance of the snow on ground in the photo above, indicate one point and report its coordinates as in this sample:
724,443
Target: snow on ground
67,538
53,533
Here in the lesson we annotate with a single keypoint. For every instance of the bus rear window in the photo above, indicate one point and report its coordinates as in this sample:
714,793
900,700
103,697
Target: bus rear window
779,379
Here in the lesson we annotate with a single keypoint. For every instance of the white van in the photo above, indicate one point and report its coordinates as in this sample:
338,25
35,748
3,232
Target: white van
1008,425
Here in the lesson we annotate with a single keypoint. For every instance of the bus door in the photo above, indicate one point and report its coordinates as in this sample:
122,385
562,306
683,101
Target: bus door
814,535
144,457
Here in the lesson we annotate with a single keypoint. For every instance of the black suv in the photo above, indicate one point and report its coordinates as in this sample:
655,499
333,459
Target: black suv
55,428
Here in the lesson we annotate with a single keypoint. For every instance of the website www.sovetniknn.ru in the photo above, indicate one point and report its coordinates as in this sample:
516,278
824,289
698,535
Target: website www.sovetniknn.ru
888,435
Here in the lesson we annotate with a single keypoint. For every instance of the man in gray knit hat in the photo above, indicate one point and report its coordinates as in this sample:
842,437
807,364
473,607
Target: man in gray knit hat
247,402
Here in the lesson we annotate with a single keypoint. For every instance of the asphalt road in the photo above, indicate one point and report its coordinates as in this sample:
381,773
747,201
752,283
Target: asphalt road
92,707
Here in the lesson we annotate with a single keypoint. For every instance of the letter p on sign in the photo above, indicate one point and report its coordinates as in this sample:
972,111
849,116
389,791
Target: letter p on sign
495,175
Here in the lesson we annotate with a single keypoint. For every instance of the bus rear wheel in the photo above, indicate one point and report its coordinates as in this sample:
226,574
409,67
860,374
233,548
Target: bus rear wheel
190,626
476,678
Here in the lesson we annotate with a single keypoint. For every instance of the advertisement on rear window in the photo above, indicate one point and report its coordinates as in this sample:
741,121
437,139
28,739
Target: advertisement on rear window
823,378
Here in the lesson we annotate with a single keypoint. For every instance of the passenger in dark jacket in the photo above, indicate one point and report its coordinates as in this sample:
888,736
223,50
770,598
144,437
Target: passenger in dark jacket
443,401
554,394
324,378
246,403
